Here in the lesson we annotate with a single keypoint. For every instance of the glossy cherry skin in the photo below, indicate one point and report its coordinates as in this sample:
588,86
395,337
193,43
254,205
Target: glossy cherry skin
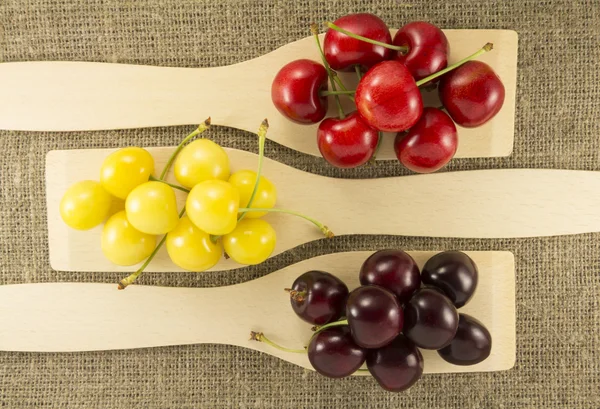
296,88
430,144
431,320
348,142
343,52
395,270
428,48
471,345
472,94
324,299
374,315
388,98
333,352
454,273
396,366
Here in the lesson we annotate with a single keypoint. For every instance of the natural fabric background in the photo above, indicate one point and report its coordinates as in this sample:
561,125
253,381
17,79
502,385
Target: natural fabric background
558,279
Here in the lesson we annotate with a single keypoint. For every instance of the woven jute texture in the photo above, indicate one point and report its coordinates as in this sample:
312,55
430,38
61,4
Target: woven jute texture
558,279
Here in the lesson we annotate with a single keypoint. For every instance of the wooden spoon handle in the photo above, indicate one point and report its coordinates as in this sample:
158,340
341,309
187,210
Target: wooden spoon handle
61,317
72,96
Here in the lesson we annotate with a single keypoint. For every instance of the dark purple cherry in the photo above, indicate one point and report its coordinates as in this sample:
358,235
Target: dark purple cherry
471,345
374,315
318,297
454,273
430,319
296,89
394,270
396,366
333,352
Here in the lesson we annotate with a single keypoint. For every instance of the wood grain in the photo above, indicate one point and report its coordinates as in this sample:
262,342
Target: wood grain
480,204
61,317
75,96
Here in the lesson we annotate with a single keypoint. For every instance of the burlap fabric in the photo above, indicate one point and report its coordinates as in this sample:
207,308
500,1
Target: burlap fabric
558,279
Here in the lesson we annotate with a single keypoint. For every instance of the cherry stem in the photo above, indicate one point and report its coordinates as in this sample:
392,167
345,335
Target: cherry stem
319,328
345,92
324,229
296,295
260,337
262,136
169,184
201,128
134,276
315,32
337,79
483,50
358,72
400,48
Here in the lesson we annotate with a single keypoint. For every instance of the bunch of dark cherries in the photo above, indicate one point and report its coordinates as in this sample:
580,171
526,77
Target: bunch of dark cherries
388,98
394,312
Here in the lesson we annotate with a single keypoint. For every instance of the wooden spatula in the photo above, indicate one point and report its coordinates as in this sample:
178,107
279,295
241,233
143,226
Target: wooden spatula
62,317
479,204
77,96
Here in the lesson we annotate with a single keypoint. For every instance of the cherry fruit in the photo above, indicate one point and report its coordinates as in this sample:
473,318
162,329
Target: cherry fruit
374,315
347,142
430,144
318,297
431,320
344,52
333,352
428,48
396,366
388,98
472,94
395,270
471,345
296,91
454,273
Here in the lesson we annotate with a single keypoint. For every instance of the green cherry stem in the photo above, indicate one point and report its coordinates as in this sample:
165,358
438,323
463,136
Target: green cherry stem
365,39
338,80
324,229
262,136
134,276
483,50
201,128
358,72
260,337
154,179
315,32
319,328
345,92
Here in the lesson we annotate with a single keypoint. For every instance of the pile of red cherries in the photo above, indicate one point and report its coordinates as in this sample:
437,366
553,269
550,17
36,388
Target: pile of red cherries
388,96
396,310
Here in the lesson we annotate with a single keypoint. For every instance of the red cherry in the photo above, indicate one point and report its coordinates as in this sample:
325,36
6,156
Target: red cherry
344,52
430,144
472,94
296,91
428,48
388,98
348,142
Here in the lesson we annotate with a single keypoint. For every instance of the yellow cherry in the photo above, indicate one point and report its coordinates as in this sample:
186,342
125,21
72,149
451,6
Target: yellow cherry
124,245
266,194
213,205
201,160
152,208
126,169
85,205
191,248
251,242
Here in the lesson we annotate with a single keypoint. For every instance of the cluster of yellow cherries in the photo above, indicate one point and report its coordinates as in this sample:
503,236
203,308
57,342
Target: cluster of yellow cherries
222,213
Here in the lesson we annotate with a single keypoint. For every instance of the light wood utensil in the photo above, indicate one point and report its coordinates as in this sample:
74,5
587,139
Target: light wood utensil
61,317
479,204
79,96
